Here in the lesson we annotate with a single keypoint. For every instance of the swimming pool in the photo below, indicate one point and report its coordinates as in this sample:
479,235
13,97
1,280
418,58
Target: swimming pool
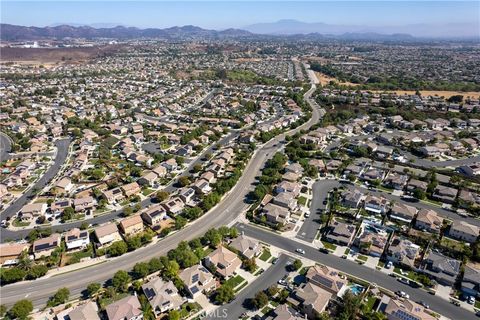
356,288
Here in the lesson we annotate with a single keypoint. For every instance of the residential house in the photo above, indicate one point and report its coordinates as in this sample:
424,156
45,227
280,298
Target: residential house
403,212
131,225
416,184
107,234
247,247
11,251
443,269
472,169
174,205
341,233
314,299
44,247
225,262
128,308
154,215
86,311
114,195
197,279
326,278
352,199
131,189
403,252
84,203
148,179
471,280
34,209
170,164
396,181
377,205
371,243
77,239
202,186
286,186
445,194
162,296
276,214
186,194
64,185
429,220
286,200
406,309
284,312
463,231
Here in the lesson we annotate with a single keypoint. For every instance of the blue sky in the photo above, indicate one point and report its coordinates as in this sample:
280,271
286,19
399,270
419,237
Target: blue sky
226,14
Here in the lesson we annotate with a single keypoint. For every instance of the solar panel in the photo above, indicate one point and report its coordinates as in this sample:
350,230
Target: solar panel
195,278
194,289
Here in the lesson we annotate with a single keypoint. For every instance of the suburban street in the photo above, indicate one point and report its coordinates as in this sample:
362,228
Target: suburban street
371,275
311,225
227,211
62,152
235,308
5,147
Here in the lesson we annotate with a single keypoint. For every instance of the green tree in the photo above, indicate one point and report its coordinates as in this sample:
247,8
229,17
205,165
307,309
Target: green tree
183,181
11,275
180,222
37,271
297,264
161,196
21,309
224,294
419,193
3,310
174,315
141,270
350,306
213,237
260,300
60,297
250,264
120,281
93,288
197,168
117,248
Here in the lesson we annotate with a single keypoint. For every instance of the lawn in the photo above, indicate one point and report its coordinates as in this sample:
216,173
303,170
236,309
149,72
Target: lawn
235,281
347,251
258,271
17,223
477,304
303,271
302,200
265,255
362,258
147,191
266,310
452,244
411,274
329,245
368,305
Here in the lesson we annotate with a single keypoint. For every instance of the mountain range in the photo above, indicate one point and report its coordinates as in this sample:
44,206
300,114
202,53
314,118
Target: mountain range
291,27
281,28
9,32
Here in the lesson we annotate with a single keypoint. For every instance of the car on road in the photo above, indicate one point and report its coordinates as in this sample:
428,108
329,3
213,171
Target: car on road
455,302
4,223
325,202
324,250
388,265
344,256
307,215
402,294
403,280
301,251
471,300
424,304
283,281
274,261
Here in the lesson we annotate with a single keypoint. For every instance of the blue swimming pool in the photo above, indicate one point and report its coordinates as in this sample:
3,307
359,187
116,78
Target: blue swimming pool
356,288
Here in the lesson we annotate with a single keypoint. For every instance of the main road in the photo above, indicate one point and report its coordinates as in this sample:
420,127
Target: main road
229,209
371,275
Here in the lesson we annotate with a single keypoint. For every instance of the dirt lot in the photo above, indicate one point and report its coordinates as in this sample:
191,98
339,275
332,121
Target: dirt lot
324,79
51,56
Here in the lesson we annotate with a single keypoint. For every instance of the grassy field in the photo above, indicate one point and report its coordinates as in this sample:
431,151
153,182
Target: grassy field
235,281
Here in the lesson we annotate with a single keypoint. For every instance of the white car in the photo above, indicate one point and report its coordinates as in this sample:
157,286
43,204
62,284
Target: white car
301,251
307,215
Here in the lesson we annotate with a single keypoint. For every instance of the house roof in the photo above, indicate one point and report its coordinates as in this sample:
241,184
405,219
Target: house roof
127,307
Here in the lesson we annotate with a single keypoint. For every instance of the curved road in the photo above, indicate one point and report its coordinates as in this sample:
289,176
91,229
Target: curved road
5,147
225,212
62,152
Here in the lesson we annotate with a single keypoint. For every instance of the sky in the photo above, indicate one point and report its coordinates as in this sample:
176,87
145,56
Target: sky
235,14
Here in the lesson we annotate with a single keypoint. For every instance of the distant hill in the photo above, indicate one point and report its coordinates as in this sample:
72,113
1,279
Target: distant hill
291,27
10,32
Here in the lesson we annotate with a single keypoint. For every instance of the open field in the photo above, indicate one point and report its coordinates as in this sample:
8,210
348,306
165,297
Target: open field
50,56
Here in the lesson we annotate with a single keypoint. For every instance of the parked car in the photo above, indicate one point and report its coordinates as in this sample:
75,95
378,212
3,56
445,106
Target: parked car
424,304
403,280
301,251
388,265
324,250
